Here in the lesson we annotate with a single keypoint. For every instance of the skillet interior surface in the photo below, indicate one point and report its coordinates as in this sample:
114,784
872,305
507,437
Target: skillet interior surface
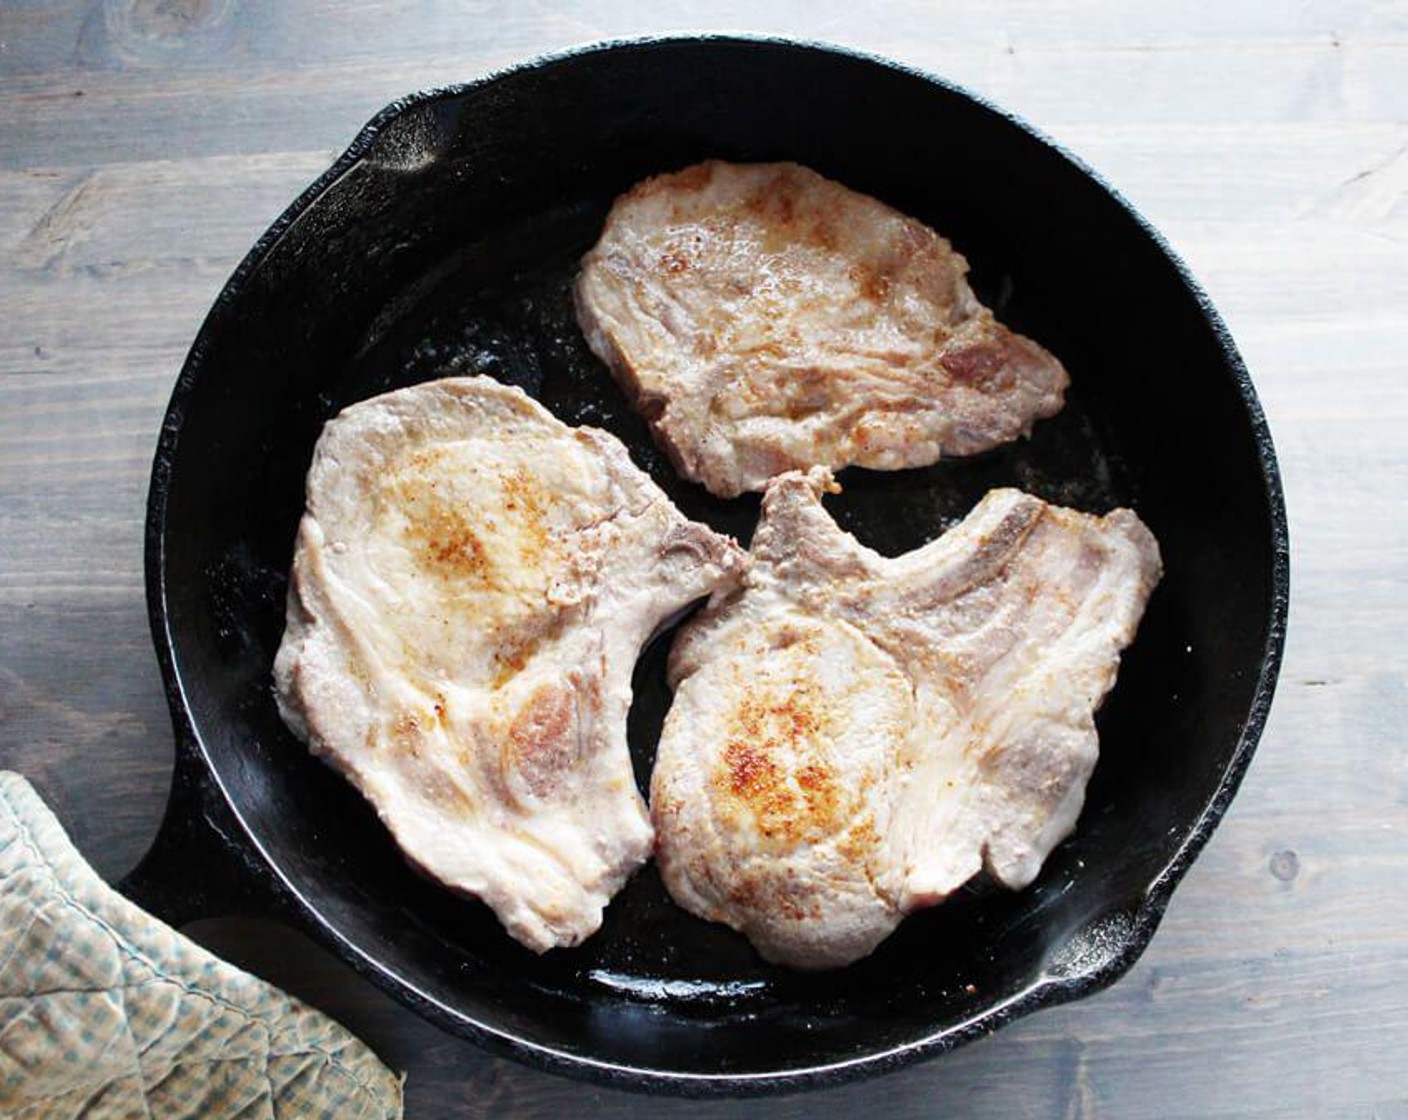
445,243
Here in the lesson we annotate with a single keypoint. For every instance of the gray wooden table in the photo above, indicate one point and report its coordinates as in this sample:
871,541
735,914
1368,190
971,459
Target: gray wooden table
144,144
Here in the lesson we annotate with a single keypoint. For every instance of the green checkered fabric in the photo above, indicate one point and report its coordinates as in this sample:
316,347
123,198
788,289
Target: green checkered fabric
106,1012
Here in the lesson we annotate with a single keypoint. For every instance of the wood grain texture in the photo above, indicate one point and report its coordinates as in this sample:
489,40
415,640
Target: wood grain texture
144,146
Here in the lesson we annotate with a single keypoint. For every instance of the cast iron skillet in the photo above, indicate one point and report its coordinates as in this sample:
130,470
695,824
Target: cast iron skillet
444,242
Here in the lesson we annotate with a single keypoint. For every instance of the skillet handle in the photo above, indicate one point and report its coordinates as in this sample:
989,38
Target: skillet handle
200,864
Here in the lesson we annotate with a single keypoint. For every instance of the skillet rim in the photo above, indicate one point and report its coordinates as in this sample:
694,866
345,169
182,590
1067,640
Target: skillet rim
1132,937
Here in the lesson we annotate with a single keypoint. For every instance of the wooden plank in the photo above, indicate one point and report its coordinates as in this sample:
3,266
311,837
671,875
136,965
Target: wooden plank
81,709
1280,171
89,116
214,207
1067,1061
152,214
48,37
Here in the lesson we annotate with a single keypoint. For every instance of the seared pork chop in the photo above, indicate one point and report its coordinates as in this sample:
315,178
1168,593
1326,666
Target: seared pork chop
764,318
472,583
854,737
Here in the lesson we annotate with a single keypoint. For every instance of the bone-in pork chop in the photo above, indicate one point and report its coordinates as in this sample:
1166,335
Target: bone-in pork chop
854,737
472,583
764,318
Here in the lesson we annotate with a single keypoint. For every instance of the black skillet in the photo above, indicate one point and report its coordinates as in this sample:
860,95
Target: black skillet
444,242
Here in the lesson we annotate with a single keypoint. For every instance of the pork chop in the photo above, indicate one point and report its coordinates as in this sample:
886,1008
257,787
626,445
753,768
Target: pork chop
764,318
472,583
854,737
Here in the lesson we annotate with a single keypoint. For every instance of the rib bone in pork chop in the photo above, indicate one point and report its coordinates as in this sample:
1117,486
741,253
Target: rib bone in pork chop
472,583
854,737
764,318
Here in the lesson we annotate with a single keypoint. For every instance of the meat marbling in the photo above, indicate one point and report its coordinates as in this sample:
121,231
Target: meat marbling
472,583
764,318
853,737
